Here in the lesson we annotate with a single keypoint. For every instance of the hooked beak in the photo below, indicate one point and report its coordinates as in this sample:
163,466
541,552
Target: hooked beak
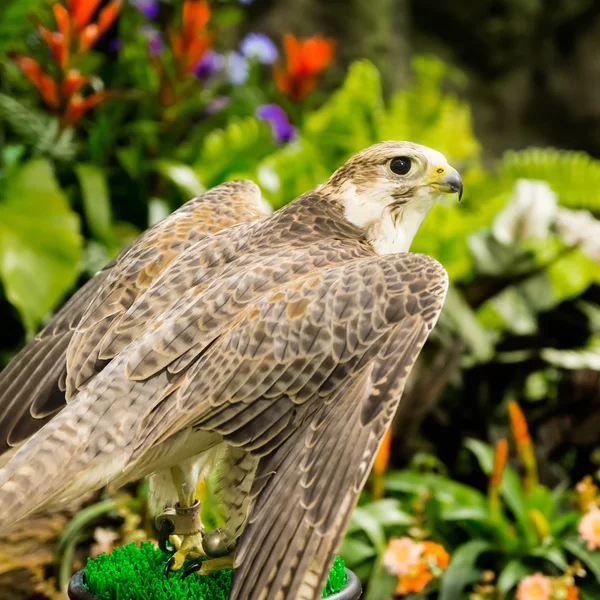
447,180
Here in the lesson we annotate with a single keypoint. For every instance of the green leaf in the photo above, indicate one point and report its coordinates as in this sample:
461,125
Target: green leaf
553,555
425,114
41,132
460,318
565,524
388,513
576,359
233,151
381,584
96,201
460,570
40,245
14,24
511,488
183,176
349,119
577,548
290,171
361,519
354,551
510,576
445,490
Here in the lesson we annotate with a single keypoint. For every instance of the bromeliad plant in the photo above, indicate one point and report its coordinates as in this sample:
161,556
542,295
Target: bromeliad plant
519,539
76,32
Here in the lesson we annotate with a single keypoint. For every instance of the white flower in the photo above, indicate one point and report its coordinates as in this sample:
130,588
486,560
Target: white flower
529,213
579,227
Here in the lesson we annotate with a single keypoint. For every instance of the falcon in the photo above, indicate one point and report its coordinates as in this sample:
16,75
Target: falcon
273,348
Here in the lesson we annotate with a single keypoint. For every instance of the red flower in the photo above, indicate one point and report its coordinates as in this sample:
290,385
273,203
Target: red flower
92,31
79,105
74,28
44,83
306,59
192,40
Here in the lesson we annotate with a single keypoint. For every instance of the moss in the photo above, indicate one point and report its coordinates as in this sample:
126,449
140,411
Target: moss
131,573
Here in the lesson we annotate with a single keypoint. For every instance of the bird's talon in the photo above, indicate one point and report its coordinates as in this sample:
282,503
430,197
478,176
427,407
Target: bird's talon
168,566
206,567
193,568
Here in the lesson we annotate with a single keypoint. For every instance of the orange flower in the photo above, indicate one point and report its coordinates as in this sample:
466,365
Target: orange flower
414,581
306,59
500,457
382,459
73,23
572,593
81,12
43,82
518,424
90,33
415,563
192,41
72,83
79,105
436,552
383,454
520,433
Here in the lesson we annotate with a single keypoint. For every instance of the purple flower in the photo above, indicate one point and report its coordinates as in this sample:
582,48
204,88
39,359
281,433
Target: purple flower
211,62
154,38
236,68
257,46
115,45
217,104
149,8
281,128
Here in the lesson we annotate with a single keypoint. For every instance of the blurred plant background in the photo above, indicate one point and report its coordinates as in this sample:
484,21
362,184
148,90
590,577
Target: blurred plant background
113,113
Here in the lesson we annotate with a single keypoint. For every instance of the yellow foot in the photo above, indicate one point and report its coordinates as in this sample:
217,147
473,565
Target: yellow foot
206,567
187,546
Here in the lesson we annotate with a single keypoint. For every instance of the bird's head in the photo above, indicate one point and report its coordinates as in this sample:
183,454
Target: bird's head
388,188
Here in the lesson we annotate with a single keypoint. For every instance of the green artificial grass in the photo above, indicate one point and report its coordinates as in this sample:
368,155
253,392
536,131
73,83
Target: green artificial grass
131,573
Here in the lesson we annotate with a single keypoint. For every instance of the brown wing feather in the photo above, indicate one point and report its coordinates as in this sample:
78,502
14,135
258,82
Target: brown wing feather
28,385
306,490
221,207
32,386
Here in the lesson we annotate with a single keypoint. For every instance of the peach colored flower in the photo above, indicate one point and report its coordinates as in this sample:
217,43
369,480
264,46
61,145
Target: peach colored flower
589,528
534,587
402,555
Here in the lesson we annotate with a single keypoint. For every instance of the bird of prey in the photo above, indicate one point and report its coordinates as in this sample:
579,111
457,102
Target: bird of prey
275,347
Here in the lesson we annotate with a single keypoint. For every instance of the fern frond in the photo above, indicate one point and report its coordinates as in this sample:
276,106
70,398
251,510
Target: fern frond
574,176
233,151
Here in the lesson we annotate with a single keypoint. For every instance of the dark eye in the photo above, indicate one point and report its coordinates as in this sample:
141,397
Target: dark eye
400,165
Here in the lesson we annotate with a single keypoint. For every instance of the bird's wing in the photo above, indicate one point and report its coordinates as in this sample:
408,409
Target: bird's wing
221,207
30,392
32,386
308,380
306,488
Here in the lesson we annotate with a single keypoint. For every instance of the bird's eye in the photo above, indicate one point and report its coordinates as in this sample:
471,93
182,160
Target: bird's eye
400,165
